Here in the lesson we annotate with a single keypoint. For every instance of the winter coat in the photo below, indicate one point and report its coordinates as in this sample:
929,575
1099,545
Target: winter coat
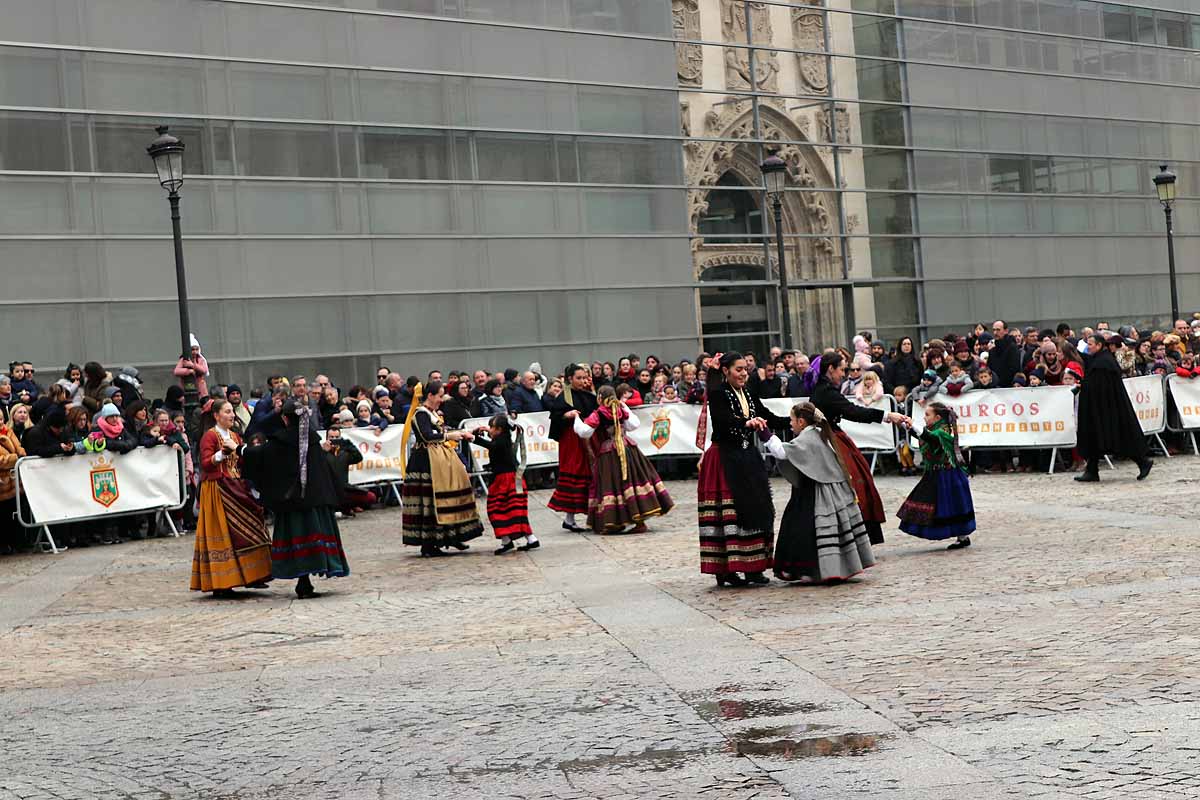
10,452
274,469
523,401
836,407
903,371
95,396
923,392
340,462
41,441
122,443
490,406
1004,361
455,410
1107,422
198,371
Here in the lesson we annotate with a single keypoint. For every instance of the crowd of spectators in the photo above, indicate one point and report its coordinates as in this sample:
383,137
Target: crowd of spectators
92,409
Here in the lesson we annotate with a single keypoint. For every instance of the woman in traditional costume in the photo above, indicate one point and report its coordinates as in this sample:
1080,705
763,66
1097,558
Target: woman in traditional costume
737,517
827,397
232,546
573,489
822,536
439,503
297,483
626,489
940,505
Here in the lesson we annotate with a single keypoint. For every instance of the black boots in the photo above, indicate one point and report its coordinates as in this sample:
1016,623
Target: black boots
1091,473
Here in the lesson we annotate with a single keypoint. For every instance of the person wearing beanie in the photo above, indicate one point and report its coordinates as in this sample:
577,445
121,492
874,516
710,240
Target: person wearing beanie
930,385
965,359
114,395
193,368
365,418
241,414
109,432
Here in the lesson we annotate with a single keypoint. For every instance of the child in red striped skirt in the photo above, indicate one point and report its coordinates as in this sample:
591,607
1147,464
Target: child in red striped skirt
507,503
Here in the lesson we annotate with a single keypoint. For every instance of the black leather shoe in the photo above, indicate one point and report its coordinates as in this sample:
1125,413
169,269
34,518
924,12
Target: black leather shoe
960,544
1144,469
573,528
1088,477
529,546
757,578
459,546
730,579
507,547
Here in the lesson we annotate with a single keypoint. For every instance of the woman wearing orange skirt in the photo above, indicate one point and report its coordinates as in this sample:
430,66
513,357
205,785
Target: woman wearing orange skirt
233,547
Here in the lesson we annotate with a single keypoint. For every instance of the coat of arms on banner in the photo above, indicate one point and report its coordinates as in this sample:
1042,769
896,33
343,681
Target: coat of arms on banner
104,482
660,432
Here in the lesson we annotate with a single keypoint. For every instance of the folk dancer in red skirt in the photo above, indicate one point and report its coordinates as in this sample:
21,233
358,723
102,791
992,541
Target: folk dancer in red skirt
507,503
626,489
737,517
836,407
574,456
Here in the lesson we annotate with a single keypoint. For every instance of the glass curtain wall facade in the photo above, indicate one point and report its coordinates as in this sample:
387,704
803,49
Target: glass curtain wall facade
418,183
460,183
1026,134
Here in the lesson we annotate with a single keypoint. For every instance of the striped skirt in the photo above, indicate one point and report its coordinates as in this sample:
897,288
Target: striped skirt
232,545
618,503
307,542
419,520
822,535
508,510
725,546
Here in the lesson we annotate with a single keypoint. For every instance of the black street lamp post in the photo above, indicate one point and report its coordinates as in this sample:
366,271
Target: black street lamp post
167,153
774,170
1164,182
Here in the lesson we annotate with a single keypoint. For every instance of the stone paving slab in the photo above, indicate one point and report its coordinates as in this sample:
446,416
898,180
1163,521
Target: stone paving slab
1055,659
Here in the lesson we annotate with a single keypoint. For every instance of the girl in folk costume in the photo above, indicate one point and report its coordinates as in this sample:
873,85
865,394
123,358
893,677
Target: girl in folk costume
574,456
940,506
439,503
507,503
232,547
831,371
737,517
822,536
626,490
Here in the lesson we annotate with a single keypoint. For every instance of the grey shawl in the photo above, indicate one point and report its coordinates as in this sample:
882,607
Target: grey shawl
810,455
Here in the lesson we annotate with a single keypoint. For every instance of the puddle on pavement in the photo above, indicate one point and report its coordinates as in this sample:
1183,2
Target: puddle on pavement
750,709
655,760
847,744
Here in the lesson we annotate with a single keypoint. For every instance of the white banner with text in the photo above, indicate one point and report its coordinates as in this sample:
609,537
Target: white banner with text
380,451
867,436
101,484
1149,397
1040,417
1186,392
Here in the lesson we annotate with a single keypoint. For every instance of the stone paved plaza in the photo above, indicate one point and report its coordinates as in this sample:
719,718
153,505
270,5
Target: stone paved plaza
1059,657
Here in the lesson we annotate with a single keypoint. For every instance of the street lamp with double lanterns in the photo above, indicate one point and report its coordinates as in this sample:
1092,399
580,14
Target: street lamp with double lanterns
1164,183
775,172
167,153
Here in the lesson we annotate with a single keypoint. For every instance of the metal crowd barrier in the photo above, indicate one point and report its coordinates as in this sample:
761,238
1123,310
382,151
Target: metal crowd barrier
45,540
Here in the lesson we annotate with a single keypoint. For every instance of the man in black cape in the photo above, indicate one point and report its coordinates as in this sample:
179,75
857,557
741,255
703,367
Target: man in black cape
1108,425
